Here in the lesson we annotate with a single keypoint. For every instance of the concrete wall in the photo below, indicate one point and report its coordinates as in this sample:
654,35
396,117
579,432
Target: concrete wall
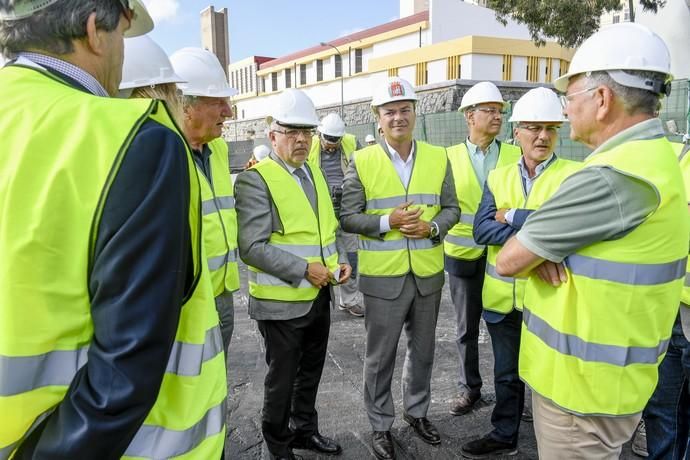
451,19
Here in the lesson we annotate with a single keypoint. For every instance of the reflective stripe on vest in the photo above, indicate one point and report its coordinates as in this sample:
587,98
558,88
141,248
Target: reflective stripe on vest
572,345
220,220
604,330
44,343
502,294
303,234
396,255
459,242
157,442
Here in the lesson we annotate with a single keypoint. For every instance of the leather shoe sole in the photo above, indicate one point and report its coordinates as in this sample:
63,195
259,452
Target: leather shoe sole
426,437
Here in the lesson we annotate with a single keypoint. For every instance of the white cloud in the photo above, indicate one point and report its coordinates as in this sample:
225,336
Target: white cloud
162,10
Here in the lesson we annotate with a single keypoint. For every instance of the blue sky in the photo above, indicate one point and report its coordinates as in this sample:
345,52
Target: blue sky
268,27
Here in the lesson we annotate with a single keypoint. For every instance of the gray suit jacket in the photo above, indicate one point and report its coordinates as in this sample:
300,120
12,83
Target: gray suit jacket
354,220
257,218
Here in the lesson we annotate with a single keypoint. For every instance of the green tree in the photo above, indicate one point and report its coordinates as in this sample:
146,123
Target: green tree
568,21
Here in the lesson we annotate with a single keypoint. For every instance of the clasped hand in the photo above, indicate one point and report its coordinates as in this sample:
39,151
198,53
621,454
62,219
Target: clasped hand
408,221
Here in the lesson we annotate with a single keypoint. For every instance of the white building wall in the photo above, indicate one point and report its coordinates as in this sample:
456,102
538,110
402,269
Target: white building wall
519,69
486,67
408,73
395,45
449,19
437,71
466,67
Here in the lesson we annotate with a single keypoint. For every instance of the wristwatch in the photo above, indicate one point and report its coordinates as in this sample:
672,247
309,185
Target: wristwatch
433,231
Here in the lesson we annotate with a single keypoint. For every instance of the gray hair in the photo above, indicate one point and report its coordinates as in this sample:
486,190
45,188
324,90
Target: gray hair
634,100
54,28
188,101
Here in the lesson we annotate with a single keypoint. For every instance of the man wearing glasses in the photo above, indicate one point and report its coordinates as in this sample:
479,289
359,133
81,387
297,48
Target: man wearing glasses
331,150
510,195
288,240
606,254
465,259
205,106
104,300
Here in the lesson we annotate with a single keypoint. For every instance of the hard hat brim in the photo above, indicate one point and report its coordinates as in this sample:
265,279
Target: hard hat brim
142,23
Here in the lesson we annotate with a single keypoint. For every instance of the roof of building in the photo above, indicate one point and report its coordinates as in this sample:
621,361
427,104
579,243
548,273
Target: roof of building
362,34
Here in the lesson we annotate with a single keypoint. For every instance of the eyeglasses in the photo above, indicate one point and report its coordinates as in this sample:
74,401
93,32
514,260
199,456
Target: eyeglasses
295,133
566,98
537,129
491,111
331,139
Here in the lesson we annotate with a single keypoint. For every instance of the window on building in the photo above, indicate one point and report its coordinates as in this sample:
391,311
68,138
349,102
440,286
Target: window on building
241,81
263,85
338,61
232,79
616,19
626,16
393,72
288,78
274,81
358,60
303,74
252,76
507,67
532,73
453,67
246,80
421,75
319,70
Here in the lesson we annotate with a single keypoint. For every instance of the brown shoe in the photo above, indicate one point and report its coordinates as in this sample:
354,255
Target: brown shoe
463,403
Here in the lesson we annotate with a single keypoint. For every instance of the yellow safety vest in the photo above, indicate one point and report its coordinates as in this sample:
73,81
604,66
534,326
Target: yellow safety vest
503,293
459,243
348,145
220,220
53,191
593,344
304,234
684,160
395,255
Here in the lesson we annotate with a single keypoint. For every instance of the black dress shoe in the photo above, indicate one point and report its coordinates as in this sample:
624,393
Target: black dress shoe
488,447
382,443
424,428
464,403
317,443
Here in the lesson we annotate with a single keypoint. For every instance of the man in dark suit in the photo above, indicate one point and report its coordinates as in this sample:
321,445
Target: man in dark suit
287,230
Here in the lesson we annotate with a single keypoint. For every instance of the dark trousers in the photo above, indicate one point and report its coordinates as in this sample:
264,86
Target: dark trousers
466,293
295,354
667,415
510,390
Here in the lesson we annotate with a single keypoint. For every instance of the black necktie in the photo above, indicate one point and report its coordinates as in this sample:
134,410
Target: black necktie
307,187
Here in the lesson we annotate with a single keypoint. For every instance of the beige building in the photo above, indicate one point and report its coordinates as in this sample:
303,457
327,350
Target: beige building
214,34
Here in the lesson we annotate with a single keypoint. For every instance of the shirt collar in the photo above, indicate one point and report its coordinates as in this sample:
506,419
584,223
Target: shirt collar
474,149
395,155
648,129
538,170
78,74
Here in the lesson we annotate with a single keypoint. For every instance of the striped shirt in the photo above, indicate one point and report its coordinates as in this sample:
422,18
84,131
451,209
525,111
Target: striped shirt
76,73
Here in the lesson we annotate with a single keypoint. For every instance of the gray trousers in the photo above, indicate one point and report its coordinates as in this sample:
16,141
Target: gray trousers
384,321
347,293
226,314
466,293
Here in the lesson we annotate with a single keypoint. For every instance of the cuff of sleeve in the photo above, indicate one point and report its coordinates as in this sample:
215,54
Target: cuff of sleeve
509,216
384,224
532,246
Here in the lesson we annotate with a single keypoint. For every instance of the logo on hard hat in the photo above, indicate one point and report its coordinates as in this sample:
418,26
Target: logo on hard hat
396,89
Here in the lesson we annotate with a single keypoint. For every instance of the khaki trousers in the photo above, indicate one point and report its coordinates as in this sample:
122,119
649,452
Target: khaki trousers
565,436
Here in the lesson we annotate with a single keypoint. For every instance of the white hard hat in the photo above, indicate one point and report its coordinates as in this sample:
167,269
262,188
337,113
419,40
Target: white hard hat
261,151
294,108
620,47
332,125
369,138
19,9
392,90
203,73
538,104
482,93
146,64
